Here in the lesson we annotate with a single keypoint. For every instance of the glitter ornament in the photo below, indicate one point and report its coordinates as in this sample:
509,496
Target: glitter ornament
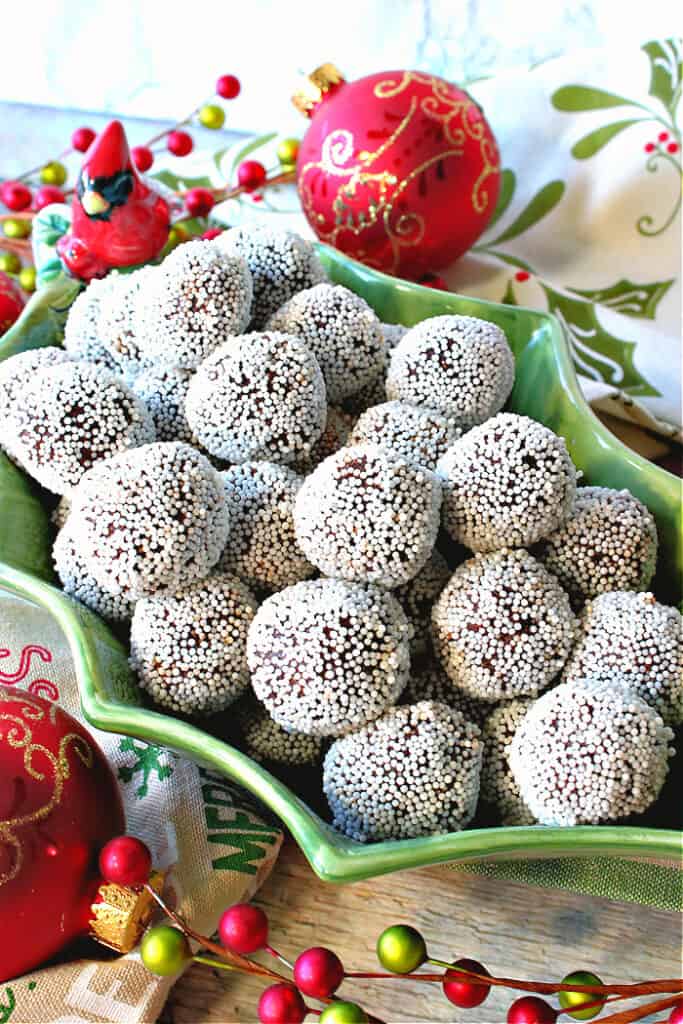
125,860
413,772
608,543
334,436
368,516
417,597
634,640
11,302
507,483
345,646
116,321
281,264
318,972
419,435
243,928
78,582
531,1010
430,682
267,742
163,391
15,373
262,548
459,365
164,950
259,396
82,338
463,991
281,1004
498,785
189,648
401,949
399,169
503,626
151,520
341,331
589,752
568,1000
71,416
197,298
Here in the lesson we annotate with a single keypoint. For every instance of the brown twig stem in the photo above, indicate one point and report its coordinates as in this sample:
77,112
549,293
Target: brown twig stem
638,1012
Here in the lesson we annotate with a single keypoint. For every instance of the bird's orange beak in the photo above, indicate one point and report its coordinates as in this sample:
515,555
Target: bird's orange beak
93,202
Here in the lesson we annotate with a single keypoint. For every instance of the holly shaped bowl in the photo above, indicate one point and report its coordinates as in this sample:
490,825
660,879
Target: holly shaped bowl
547,390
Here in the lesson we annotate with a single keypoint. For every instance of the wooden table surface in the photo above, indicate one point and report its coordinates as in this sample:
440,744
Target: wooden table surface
515,930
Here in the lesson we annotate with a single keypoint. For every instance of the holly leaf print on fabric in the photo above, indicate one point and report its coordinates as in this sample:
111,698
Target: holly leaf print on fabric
508,183
636,300
545,200
147,760
597,353
592,143
666,71
573,98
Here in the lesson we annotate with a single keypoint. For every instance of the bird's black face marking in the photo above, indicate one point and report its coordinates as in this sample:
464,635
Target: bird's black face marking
116,188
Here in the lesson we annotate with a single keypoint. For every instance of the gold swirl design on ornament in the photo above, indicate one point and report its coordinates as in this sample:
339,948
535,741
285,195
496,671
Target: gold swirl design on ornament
387,89
19,735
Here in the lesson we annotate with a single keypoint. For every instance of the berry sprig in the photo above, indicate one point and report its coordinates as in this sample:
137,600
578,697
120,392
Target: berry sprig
318,973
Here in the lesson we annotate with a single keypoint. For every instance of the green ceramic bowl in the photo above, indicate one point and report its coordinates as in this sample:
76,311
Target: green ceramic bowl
546,389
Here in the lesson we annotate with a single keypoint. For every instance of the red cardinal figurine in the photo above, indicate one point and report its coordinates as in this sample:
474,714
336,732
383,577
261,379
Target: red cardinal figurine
117,220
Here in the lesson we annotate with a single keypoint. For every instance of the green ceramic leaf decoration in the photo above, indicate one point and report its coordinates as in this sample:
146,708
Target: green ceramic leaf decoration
42,318
597,353
49,271
665,72
243,153
540,206
507,189
592,143
572,98
636,300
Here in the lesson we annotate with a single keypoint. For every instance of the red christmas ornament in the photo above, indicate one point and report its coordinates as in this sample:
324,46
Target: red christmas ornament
125,860
179,143
54,784
212,233
243,928
228,86
11,305
199,202
15,195
251,174
318,972
82,139
47,194
281,1004
143,158
463,991
531,1010
117,219
399,169
434,281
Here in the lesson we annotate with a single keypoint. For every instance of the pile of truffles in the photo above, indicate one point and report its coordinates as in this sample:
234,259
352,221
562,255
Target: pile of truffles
331,526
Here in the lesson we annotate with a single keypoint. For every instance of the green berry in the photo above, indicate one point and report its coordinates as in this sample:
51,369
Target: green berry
164,950
10,263
53,173
341,1012
16,227
212,116
401,949
27,278
569,999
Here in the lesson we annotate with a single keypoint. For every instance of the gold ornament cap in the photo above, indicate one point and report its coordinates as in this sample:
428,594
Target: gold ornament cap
121,914
315,86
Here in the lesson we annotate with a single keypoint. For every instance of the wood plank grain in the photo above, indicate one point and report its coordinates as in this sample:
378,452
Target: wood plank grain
515,930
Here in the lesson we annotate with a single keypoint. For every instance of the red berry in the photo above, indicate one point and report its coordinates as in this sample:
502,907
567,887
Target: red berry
663,136
522,275
251,174
15,195
212,233
531,1010
676,1015
47,194
228,86
281,1004
434,281
125,860
318,972
179,143
649,147
82,139
199,202
243,928
672,147
143,158
463,991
